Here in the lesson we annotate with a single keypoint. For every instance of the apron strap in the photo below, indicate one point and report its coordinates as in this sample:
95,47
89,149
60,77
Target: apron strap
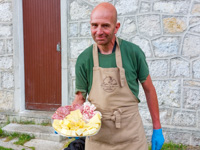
119,63
95,56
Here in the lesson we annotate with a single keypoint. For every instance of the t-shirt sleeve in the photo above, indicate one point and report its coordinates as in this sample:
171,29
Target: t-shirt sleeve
81,78
142,66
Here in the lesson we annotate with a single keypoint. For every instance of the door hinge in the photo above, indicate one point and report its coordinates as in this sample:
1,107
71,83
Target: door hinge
58,47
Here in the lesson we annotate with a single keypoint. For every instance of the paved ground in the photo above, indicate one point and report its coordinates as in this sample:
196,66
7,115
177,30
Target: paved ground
39,144
45,138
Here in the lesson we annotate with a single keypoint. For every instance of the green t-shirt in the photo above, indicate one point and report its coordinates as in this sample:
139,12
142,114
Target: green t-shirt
133,61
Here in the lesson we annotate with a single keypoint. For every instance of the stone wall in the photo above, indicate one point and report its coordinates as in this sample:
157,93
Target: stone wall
168,32
6,56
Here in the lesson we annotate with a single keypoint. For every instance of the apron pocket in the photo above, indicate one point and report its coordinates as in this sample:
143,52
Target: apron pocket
104,133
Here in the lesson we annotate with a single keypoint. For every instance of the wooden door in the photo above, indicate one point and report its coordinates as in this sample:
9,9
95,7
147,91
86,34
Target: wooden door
42,33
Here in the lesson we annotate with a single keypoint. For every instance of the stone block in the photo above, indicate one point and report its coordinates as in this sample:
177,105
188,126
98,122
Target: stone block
72,68
145,7
191,98
6,63
2,96
195,139
195,9
7,102
166,46
178,137
191,83
123,6
72,89
79,10
184,118
149,25
195,29
9,46
168,93
129,27
7,80
194,20
73,29
191,45
174,24
158,68
145,115
5,11
5,30
165,116
120,19
199,119
95,2
196,69
144,44
85,29
179,68
10,97
148,132
172,7
2,47
77,46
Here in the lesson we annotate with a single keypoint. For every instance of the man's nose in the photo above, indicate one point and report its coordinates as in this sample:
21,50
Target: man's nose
99,30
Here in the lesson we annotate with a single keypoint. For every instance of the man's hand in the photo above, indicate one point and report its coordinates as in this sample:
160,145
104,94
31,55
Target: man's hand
157,140
79,99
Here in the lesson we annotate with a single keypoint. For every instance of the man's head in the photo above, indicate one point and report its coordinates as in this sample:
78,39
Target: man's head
104,24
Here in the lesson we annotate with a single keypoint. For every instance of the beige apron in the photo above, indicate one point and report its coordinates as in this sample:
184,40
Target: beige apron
122,127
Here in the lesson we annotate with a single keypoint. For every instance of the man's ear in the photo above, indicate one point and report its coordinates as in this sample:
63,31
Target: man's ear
117,27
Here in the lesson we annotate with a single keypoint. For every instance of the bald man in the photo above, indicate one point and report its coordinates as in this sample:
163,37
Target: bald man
110,71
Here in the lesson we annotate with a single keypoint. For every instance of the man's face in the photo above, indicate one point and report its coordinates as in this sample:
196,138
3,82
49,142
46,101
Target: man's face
103,27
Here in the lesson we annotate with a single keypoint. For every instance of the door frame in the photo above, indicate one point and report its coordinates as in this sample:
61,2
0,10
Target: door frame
18,56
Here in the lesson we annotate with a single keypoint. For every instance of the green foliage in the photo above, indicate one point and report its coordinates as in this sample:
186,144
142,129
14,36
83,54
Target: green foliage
172,146
23,138
68,142
3,148
3,134
45,124
26,122
12,136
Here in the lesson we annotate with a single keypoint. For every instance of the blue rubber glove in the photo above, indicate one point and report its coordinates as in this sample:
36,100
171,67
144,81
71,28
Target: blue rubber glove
157,139
75,138
68,137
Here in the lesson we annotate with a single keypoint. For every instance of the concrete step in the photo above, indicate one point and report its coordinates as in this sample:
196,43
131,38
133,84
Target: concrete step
38,117
39,131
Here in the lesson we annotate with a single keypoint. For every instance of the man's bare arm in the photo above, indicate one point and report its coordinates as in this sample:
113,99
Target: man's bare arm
152,102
